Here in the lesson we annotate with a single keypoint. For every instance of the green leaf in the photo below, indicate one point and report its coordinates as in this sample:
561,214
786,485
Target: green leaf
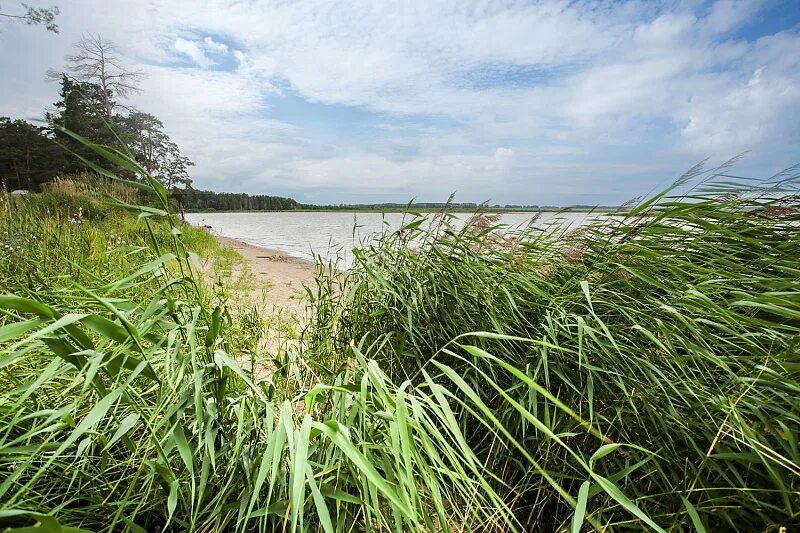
614,491
337,434
602,451
146,269
124,427
25,305
580,507
331,492
696,521
298,471
213,329
319,502
183,448
107,328
172,499
15,329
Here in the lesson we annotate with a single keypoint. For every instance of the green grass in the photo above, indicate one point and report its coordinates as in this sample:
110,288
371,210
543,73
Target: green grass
658,353
67,236
641,374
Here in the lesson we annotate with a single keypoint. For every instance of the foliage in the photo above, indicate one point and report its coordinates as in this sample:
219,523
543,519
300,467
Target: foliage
80,109
151,146
670,331
34,16
639,374
31,156
80,229
129,408
88,107
28,157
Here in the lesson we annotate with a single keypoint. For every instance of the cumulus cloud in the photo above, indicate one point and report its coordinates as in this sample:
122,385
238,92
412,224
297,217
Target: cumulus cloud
539,102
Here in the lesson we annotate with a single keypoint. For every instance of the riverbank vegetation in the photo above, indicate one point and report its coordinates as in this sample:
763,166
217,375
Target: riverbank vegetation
638,373
641,372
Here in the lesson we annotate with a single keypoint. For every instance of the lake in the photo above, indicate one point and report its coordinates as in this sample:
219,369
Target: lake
306,234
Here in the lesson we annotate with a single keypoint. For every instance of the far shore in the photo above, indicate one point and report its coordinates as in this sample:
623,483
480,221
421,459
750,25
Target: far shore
599,210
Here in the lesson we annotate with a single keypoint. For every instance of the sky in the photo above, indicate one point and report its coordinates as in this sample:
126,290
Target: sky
547,103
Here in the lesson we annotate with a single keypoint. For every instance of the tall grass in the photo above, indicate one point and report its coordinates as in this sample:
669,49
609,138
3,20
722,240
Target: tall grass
127,407
639,374
641,371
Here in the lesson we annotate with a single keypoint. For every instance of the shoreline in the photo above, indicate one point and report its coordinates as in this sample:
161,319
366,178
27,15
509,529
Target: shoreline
270,254
280,278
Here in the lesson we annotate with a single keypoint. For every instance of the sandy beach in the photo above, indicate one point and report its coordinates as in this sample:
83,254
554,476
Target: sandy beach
279,277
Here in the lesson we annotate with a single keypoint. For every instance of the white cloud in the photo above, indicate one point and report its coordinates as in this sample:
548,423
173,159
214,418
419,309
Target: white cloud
612,96
211,44
193,51
726,15
753,112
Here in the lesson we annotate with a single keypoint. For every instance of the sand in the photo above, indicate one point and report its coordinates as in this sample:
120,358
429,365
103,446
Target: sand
279,278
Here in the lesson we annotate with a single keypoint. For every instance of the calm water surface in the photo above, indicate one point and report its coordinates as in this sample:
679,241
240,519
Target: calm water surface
332,234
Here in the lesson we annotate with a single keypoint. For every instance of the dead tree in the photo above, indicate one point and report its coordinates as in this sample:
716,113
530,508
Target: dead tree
96,60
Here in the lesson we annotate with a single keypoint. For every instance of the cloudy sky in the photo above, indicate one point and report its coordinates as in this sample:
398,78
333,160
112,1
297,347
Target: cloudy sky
551,102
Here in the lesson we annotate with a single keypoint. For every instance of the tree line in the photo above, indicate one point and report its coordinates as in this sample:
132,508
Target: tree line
195,200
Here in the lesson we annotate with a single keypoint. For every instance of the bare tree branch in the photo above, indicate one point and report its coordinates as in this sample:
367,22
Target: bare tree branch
96,60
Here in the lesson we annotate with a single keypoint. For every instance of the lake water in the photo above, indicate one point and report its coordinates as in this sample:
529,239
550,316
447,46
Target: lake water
331,233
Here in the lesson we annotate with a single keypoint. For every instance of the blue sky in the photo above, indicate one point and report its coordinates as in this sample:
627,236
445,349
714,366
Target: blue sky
550,102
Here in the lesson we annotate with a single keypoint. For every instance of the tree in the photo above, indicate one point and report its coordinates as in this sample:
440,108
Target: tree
227,201
177,170
96,61
82,111
29,157
34,16
145,136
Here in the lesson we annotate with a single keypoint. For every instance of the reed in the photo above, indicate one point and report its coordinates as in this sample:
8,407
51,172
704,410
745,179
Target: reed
641,371
639,374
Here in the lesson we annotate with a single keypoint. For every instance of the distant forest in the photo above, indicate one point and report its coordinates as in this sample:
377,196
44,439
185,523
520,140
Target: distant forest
195,200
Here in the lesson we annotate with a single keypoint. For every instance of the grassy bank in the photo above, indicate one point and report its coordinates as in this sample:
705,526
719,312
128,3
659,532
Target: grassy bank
81,230
641,374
